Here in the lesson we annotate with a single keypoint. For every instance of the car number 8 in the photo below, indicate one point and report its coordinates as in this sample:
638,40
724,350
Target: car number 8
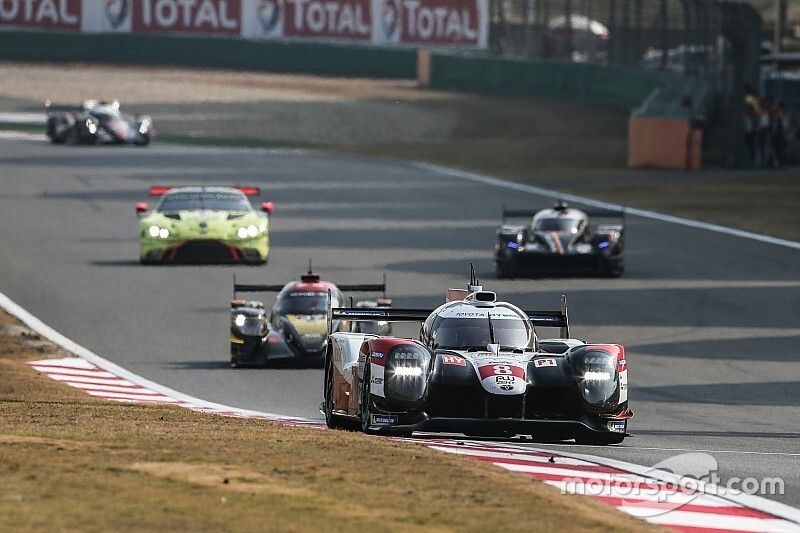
502,370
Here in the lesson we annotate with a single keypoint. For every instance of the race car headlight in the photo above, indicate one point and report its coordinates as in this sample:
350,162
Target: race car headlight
91,126
406,373
247,232
249,323
596,373
158,232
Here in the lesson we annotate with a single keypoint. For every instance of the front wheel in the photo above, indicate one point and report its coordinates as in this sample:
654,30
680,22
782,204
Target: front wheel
365,405
332,420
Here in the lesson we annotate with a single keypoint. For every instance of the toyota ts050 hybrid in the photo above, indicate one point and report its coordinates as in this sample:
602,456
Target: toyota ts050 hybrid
203,225
477,369
559,240
96,122
297,328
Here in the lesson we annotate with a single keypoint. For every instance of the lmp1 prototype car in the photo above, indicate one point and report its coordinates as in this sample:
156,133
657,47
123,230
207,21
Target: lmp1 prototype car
559,240
478,369
96,122
297,328
203,225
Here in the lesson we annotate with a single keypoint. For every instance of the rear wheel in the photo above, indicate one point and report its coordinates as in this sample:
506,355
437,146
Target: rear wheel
503,270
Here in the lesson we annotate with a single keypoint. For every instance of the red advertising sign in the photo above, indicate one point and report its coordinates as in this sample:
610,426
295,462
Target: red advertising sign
333,19
187,16
41,14
446,22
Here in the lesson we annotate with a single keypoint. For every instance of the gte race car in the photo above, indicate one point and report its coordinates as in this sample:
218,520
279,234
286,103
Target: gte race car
96,122
203,225
559,240
297,327
478,369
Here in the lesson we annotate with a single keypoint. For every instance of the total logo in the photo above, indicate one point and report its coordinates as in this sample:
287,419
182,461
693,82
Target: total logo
220,16
329,18
49,13
268,13
421,21
117,12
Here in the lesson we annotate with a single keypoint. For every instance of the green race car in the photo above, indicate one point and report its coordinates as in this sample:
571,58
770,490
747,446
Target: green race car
203,225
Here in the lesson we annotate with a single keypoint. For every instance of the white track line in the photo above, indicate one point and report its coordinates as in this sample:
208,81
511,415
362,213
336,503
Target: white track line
549,193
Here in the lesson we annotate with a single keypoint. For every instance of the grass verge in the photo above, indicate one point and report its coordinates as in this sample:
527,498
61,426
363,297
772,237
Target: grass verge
71,462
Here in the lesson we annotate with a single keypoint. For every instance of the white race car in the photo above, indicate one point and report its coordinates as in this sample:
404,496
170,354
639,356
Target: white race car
478,368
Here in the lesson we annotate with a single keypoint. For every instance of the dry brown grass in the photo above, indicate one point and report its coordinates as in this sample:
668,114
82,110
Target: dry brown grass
70,462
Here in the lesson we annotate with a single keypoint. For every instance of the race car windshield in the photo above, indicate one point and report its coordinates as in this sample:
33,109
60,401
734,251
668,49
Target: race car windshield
205,200
304,303
466,333
556,224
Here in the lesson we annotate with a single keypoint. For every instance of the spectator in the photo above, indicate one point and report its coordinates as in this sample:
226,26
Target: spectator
765,153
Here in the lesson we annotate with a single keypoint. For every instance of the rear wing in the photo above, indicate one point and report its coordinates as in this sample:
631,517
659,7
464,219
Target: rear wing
310,278
545,319
49,106
595,212
161,190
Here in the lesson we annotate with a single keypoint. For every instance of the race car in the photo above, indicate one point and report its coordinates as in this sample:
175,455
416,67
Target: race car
95,122
478,369
297,328
559,240
203,225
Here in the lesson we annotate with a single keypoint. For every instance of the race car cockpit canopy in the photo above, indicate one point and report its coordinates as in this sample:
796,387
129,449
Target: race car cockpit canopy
465,327
560,224
202,198
304,302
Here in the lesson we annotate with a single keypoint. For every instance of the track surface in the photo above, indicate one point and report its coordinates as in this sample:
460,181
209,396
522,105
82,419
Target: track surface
710,321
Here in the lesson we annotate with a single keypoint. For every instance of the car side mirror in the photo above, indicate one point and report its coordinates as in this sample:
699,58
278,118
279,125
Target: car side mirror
267,207
141,207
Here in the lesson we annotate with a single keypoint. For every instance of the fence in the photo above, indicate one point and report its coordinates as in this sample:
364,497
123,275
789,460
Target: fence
709,39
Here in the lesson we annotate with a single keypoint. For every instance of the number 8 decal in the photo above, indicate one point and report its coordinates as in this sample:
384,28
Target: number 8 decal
502,370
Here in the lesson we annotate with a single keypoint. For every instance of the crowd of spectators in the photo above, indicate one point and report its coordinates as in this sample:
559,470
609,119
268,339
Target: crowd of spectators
768,131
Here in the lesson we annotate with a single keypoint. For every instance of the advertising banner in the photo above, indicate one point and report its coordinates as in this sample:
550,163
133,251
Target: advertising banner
41,14
456,23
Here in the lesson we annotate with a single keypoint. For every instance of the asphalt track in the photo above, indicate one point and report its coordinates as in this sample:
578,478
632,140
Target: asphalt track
711,321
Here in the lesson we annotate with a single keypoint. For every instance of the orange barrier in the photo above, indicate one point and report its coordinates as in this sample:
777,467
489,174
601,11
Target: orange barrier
664,143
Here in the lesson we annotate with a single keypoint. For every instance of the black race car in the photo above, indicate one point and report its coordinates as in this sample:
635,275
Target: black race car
478,368
559,240
96,122
297,328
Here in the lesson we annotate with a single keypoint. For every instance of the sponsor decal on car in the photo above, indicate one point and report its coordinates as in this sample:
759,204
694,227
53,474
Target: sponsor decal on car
384,420
376,380
490,370
617,426
539,363
377,355
454,360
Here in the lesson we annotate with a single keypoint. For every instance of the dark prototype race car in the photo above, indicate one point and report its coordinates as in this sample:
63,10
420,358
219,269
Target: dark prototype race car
478,369
298,326
96,122
559,240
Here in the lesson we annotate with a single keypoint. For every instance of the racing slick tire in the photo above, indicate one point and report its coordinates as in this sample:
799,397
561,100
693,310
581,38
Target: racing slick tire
332,420
503,270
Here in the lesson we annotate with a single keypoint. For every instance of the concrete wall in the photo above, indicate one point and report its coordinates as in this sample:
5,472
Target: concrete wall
300,57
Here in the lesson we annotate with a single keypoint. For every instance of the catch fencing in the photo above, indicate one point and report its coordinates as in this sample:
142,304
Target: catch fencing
713,40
